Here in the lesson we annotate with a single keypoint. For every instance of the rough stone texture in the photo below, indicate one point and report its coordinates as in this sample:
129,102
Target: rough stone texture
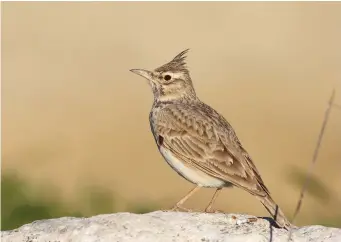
164,226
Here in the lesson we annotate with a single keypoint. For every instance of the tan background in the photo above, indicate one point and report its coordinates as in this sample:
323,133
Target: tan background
74,115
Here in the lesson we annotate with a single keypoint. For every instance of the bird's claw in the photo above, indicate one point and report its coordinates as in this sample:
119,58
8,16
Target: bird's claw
179,208
211,210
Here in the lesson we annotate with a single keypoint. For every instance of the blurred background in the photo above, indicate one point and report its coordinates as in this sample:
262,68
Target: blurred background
75,132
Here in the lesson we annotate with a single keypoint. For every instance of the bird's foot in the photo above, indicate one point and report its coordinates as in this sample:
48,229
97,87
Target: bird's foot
209,209
179,208
240,221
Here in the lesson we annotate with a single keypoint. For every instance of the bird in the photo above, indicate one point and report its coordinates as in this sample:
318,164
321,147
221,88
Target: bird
198,142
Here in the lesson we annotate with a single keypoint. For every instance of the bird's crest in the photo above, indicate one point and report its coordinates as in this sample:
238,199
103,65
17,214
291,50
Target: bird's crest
177,64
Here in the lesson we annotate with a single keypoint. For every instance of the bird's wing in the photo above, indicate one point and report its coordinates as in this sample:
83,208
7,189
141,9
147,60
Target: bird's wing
204,139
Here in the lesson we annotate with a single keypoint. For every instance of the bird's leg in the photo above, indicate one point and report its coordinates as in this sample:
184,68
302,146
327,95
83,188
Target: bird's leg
209,209
184,199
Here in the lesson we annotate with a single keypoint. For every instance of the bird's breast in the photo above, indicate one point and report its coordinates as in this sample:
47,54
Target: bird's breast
190,173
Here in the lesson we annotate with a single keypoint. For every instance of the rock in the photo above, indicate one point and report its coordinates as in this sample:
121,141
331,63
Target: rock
164,226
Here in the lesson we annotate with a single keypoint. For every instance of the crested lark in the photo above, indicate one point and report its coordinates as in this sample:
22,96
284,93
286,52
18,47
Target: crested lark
197,142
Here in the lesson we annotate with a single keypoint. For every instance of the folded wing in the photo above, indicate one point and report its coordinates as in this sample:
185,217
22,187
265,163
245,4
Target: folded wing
205,140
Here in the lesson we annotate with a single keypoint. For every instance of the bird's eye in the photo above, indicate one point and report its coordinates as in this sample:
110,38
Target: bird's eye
167,77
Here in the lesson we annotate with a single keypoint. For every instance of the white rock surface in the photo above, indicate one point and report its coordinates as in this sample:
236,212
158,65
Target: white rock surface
163,226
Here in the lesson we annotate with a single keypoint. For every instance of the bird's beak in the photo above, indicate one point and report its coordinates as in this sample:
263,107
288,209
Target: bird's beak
144,73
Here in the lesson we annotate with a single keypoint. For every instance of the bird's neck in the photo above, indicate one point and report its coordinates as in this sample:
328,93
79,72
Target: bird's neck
164,101
178,96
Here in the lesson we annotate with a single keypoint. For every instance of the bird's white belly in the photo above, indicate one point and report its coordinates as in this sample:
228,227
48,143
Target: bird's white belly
191,174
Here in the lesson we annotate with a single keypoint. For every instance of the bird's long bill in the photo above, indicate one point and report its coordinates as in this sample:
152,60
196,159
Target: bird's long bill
144,73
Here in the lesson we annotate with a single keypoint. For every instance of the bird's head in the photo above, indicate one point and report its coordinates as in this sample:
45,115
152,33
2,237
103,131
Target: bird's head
170,81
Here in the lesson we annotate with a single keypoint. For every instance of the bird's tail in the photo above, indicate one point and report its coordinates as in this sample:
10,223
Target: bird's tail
275,212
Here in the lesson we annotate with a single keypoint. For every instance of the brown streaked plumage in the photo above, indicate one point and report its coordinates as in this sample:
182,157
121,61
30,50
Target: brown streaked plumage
196,141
